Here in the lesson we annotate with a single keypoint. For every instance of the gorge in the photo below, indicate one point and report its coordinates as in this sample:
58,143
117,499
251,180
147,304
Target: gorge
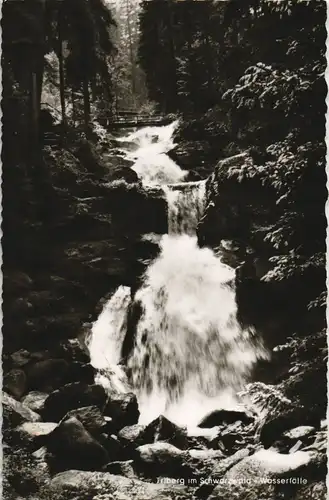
190,355
164,250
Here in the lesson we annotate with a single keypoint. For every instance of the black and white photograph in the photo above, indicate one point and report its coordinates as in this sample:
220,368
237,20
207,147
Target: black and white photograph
164,190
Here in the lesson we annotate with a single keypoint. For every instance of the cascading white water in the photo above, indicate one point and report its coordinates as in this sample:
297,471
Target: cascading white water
190,355
186,204
151,163
109,330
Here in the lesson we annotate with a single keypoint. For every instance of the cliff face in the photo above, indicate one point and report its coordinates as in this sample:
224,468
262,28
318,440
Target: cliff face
71,237
243,211
284,309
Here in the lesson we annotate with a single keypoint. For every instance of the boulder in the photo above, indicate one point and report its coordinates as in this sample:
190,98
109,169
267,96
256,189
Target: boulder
161,459
123,409
220,417
47,375
91,418
31,434
72,350
35,400
131,436
80,372
15,413
162,429
125,469
224,465
71,397
213,471
113,446
15,383
71,446
298,436
206,454
265,474
236,436
103,485
301,432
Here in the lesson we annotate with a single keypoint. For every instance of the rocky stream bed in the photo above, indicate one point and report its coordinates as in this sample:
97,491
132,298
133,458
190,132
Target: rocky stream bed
64,436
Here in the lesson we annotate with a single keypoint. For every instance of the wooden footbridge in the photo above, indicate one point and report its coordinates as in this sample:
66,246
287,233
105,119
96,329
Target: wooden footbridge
129,119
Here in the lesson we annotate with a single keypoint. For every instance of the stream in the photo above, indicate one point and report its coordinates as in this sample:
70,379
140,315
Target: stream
190,354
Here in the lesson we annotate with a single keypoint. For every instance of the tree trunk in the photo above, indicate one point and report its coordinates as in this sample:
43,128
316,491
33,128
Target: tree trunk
131,52
173,99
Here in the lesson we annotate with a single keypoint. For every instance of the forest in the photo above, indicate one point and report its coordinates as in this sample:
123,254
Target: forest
126,122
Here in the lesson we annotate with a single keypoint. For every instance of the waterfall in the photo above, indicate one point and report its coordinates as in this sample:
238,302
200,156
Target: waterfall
186,204
151,163
109,330
190,355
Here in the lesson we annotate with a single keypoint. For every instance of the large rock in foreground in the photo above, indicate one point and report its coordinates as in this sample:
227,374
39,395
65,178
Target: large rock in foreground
162,459
105,486
71,397
16,413
219,417
71,445
264,476
123,409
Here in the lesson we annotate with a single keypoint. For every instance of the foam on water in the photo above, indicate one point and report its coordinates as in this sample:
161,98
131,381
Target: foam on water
190,354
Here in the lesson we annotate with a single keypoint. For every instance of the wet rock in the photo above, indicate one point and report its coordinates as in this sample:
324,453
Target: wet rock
299,435
113,447
91,418
200,463
258,476
47,375
125,469
131,436
206,454
224,465
71,446
303,431
15,383
15,413
72,350
161,459
123,409
127,174
162,429
35,400
220,417
236,436
31,434
71,397
105,486
80,372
